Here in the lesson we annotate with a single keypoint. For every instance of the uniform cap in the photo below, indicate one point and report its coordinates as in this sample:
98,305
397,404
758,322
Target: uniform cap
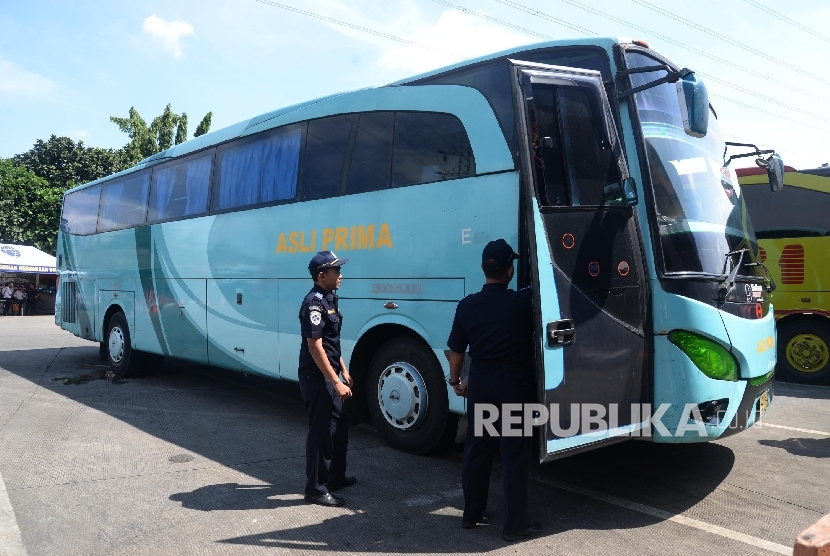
323,260
500,251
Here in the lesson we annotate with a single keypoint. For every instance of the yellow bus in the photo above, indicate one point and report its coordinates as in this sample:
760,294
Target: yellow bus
793,232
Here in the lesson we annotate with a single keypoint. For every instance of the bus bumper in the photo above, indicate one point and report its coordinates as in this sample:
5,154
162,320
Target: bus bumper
725,407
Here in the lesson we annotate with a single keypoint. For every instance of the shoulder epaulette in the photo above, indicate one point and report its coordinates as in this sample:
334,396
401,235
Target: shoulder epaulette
318,295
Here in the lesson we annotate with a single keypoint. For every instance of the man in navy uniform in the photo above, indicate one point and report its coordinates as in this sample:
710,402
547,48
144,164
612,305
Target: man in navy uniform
497,324
321,366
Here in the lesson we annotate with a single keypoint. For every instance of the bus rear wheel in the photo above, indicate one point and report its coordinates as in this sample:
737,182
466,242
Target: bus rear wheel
122,358
804,352
407,397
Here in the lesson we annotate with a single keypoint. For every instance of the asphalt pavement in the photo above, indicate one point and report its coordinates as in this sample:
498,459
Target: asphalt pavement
196,460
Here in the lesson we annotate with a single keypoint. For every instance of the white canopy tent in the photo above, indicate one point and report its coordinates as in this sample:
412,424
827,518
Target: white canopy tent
23,258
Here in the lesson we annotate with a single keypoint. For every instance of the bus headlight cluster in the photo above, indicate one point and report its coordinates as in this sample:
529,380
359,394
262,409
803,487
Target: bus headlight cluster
710,357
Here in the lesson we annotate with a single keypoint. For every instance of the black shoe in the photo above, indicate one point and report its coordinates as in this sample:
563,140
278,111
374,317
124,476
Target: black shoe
532,530
327,499
342,483
465,524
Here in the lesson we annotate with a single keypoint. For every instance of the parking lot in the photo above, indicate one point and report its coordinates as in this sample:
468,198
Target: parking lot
196,460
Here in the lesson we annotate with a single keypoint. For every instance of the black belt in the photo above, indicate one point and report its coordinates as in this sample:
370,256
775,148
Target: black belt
501,363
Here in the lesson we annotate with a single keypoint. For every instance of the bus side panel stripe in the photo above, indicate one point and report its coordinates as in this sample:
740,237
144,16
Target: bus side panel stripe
143,250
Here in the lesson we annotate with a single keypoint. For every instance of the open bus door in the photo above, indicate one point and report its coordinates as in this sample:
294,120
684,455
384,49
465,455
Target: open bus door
586,261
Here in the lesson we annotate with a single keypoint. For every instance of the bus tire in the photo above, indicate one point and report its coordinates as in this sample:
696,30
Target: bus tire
804,352
407,397
122,358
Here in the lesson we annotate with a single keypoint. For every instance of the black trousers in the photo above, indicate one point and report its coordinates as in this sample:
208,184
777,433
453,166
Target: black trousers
328,435
497,385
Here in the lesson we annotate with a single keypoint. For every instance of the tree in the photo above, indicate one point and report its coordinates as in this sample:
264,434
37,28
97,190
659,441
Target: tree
29,207
204,125
181,129
64,163
159,135
32,184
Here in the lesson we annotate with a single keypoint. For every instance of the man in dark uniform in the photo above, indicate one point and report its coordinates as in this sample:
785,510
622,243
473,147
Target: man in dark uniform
323,392
497,324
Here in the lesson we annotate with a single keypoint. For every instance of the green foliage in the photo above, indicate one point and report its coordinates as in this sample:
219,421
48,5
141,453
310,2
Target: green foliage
29,207
181,129
159,135
204,125
64,163
32,183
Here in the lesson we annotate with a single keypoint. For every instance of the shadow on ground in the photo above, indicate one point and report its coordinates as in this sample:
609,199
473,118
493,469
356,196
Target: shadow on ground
808,447
402,503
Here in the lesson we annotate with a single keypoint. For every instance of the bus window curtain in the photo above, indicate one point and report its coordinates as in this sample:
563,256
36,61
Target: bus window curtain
110,207
198,180
163,182
260,172
123,203
279,173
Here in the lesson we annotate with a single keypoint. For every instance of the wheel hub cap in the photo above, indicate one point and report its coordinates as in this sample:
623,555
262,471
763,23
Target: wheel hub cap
808,353
116,344
402,395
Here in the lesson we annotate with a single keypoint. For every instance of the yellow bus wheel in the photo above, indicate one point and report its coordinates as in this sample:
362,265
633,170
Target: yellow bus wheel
804,351
807,352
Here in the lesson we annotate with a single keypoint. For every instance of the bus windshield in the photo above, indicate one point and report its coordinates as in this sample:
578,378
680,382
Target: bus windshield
697,202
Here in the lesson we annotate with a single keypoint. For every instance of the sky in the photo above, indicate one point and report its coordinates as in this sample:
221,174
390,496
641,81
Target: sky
66,66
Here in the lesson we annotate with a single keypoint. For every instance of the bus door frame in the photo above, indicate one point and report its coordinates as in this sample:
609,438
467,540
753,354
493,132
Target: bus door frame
520,77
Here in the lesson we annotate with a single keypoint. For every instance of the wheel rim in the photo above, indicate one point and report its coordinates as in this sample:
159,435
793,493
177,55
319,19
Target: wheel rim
807,352
116,344
402,395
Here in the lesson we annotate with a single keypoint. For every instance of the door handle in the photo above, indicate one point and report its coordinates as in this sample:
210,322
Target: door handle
561,333
239,350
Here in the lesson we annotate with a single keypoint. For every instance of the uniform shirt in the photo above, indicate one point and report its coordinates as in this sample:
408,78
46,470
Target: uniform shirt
497,324
319,318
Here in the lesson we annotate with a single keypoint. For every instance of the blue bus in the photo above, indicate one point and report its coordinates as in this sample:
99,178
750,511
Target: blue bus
599,158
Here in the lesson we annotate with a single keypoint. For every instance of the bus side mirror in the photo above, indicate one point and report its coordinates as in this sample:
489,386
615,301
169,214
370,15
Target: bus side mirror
629,186
774,165
623,193
694,105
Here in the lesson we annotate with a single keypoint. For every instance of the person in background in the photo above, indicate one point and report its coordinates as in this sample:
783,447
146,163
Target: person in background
18,299
6,294
31,299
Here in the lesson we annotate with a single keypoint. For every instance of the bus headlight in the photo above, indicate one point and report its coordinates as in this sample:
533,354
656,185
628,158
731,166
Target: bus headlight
710,357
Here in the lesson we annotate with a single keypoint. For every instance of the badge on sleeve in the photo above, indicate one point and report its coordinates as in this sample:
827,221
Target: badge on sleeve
315,316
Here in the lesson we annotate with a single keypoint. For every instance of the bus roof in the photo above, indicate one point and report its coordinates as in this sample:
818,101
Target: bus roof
238,129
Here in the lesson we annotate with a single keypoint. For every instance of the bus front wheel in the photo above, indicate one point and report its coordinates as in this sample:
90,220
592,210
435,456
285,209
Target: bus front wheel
804,352
407,397
123,359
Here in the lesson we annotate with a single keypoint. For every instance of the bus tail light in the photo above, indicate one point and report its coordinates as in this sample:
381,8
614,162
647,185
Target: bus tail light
711,358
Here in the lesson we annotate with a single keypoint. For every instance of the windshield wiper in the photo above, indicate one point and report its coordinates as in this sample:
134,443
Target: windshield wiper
668,221
770,281
729,282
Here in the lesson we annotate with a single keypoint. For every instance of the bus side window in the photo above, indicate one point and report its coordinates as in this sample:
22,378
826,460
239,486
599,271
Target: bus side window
430,147
180,189
370,166
123,202
574,159
258,171
590,163
326,146
548,149
80,211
